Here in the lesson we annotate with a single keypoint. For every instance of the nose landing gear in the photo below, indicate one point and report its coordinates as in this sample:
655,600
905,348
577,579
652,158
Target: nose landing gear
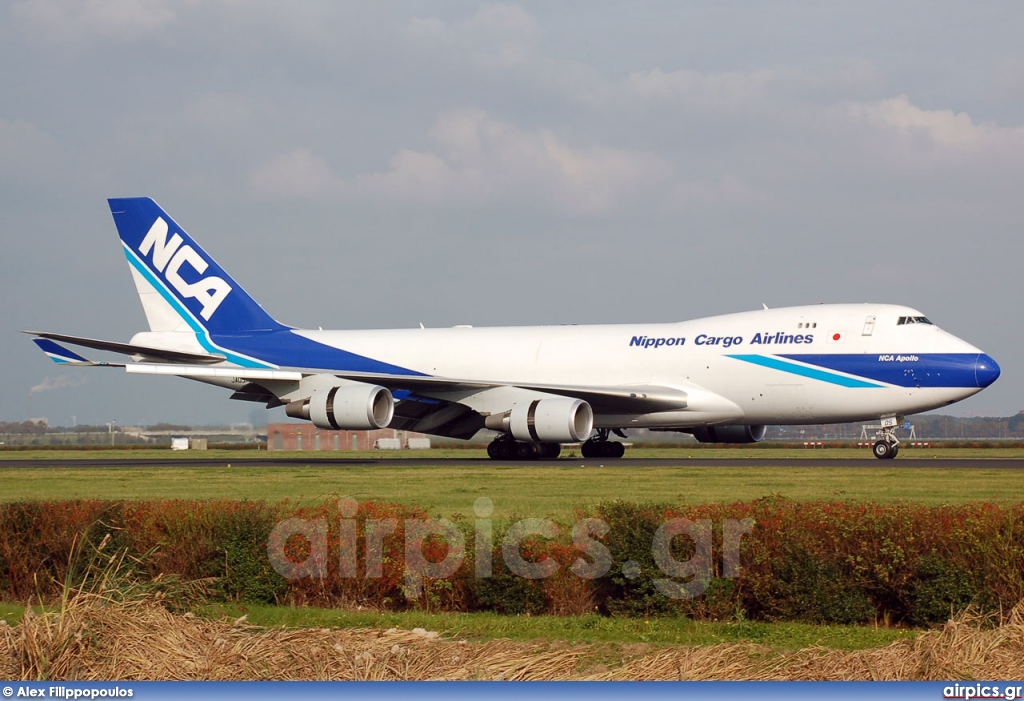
884,450
887,446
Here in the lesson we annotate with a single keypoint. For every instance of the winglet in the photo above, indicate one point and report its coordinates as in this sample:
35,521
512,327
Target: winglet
61,355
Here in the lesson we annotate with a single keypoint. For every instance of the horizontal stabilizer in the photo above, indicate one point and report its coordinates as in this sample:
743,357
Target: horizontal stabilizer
146,352
61,355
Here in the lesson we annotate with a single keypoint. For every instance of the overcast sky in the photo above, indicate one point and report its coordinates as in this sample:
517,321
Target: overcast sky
385,164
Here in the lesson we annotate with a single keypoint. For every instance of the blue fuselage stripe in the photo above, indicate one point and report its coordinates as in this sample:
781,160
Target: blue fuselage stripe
201,334
804,371
901,369
863,370
289,349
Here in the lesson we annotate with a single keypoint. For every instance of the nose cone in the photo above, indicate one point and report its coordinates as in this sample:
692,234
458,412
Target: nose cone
986,370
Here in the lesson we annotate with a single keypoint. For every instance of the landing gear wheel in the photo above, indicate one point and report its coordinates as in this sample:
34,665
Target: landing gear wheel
597,448
549,451
527,451
884,450
502,449
887,446
509,449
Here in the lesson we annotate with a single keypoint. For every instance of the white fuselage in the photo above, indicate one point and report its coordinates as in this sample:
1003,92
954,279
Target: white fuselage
716,361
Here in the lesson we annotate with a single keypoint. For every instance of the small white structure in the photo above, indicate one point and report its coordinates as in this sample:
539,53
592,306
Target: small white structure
388,444
186,443
418,444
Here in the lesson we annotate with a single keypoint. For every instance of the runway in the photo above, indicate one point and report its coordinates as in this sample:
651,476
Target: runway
213,461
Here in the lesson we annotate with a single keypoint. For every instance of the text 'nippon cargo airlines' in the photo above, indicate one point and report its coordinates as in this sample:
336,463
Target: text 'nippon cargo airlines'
722,379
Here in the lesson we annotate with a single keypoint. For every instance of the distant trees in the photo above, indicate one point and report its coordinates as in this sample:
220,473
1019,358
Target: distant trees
31,428
169,427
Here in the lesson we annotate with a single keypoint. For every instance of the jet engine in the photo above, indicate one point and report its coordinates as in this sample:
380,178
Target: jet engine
729,434
352,407
558,420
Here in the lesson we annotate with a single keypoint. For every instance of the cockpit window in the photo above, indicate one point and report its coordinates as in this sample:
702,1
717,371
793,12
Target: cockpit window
904,320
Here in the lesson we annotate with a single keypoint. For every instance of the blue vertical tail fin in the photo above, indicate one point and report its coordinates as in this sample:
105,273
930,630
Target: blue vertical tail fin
181,287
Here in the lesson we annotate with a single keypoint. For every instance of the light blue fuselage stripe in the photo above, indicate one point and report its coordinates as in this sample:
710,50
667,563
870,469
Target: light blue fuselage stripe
201,334
803,371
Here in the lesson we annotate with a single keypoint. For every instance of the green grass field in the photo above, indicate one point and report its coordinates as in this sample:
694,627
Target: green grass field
527,490
518,489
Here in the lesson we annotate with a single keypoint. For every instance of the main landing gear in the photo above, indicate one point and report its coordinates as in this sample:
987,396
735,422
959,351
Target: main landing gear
887,446
601,447
507,448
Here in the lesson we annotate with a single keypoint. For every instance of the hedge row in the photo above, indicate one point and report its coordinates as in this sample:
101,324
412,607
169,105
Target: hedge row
828,562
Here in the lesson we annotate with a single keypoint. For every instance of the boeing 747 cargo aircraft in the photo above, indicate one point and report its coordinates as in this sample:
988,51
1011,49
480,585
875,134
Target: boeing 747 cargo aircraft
722,379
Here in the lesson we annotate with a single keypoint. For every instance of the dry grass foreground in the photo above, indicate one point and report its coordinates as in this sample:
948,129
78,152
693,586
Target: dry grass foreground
94,638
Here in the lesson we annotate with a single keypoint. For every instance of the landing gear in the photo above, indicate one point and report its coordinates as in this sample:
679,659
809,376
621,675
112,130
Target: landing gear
503,449
549,451
887,446
601,447
885,450
507,448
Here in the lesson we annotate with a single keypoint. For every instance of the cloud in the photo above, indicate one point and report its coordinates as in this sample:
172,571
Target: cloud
58,21
491,22
478,158
706,89
296,174
497,36
943,128
49,384
502,18
727,190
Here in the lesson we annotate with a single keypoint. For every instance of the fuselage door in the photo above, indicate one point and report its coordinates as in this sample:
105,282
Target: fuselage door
869,326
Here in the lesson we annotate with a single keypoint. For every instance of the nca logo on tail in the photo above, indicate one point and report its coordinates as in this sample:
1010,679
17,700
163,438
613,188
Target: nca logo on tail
169,256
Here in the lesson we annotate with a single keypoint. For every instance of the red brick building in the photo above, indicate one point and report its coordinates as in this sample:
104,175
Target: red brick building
295,436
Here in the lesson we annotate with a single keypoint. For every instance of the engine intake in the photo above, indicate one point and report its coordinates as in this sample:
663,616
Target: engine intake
560,420
729,434
352,407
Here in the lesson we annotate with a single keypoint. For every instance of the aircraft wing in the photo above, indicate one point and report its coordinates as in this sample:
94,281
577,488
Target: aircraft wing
631,399
640,399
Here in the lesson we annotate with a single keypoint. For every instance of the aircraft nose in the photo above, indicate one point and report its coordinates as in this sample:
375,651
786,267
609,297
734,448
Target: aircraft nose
986,370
